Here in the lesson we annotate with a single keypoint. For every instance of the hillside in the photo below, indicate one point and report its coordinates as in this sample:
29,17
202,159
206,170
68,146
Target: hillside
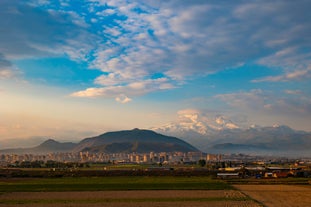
135,140
127,141
49,146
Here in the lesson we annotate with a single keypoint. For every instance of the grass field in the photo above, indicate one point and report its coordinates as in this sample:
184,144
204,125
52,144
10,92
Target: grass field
279,181
111,183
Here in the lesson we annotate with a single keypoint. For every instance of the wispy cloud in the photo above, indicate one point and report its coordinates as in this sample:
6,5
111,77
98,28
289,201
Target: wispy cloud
7,70
202,39
131,89
30,32
294,92
133,41
267,102
296,75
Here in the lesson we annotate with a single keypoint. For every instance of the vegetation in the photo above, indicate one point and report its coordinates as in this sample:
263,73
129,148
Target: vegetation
111,183
273,181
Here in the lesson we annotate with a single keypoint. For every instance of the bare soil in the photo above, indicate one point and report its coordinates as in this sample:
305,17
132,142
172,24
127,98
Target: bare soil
149,204
127,199
279,195
122,194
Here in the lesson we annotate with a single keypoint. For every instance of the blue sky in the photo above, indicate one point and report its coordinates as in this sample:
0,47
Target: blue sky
71,69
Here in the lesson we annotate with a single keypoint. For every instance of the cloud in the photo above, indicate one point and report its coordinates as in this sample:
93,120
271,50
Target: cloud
132,41
296,75
269,104
123,99
294,92
254,99
132,89
6,69
6,73
189,39
28,31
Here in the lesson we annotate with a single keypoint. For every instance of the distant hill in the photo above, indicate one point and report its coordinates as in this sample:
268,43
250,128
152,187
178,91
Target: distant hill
49,146
135,140
127,141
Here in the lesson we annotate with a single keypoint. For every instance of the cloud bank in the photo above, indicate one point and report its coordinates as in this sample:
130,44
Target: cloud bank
138,42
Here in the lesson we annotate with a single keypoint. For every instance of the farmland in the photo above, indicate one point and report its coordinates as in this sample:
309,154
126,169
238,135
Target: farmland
111,183
150,191
120,191
279,195
128,198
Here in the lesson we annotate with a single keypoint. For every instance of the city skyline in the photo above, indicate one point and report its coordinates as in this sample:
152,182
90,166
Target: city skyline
71,70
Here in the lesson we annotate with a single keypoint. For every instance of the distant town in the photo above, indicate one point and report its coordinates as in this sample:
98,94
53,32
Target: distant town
225,165
143,151
115,158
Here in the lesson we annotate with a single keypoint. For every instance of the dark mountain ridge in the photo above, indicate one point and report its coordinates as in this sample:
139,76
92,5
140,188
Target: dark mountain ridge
135,140
51,145
127,141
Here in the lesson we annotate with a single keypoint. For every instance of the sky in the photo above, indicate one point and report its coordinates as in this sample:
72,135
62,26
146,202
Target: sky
71,69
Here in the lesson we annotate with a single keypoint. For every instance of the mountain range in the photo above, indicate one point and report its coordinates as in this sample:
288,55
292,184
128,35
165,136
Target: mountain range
221,135
127,141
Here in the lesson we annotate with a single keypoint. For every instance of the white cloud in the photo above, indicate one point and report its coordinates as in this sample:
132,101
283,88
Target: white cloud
123,99
132,89
89,92
267,103
131,41
294,92
296,75
112,31
31,32
204,38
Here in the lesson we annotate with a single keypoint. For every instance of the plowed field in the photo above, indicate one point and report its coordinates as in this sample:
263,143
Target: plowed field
279,195
181,198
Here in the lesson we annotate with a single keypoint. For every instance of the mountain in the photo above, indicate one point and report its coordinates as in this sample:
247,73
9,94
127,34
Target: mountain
127,141
135,140
49,146
21,142
272,140
199,126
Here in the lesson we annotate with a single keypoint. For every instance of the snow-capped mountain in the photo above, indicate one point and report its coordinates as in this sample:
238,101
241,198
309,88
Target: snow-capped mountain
220,134
191,122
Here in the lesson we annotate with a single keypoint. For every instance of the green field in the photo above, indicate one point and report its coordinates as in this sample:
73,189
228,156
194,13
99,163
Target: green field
273,181
111,183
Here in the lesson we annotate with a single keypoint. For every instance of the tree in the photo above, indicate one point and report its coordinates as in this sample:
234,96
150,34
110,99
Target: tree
202,163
